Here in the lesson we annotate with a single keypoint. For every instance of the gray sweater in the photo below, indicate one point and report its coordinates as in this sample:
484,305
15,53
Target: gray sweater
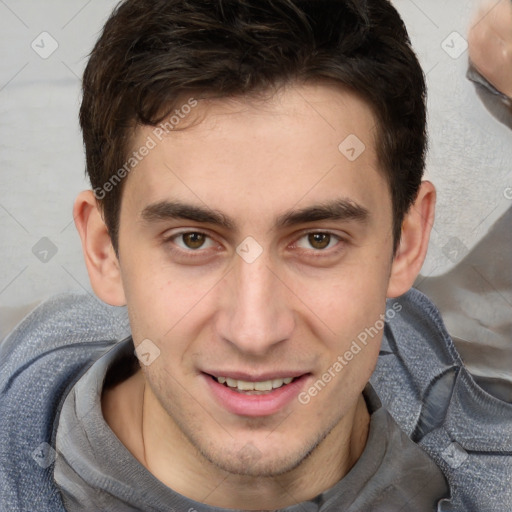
390,474
419,378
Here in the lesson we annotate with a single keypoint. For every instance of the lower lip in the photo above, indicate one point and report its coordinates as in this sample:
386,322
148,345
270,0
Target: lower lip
255,405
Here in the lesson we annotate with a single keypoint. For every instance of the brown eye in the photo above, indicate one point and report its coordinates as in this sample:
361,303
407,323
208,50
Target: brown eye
193,240
319,240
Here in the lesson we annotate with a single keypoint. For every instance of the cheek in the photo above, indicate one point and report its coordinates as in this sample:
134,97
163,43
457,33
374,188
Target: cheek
348,300
159,298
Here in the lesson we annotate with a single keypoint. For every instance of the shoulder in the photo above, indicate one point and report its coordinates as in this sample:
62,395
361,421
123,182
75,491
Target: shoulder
424,384
62,320
39,361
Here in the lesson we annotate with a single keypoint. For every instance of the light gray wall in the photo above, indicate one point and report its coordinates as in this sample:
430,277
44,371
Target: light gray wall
41,156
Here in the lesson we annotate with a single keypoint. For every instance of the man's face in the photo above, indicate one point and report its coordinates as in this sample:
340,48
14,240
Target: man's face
253,248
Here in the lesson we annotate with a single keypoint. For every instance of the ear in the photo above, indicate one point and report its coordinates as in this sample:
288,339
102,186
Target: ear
100,257
413,245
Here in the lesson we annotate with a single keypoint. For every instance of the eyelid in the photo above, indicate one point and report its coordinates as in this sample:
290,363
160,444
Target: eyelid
341,240
171,235
174,232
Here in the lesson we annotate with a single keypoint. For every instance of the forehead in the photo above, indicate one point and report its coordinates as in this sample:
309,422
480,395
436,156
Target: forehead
258,156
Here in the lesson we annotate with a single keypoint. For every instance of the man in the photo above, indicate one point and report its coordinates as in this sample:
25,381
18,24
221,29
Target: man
256,171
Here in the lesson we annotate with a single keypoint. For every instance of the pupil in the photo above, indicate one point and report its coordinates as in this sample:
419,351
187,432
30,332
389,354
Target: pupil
194,240
319,240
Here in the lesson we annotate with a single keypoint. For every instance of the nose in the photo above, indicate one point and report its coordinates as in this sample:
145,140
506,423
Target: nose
256,310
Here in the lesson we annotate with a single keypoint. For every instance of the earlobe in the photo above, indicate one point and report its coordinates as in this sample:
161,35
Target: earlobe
413,245
100,258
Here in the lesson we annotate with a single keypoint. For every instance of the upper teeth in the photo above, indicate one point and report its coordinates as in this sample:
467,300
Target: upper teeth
244,385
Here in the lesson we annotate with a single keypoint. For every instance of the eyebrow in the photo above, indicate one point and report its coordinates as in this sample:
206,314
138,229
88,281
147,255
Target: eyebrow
341,209
166,210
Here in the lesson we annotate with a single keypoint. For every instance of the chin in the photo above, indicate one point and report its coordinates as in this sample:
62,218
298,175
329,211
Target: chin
252,461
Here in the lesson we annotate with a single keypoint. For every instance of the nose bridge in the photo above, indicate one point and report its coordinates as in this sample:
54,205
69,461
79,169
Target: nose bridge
259,314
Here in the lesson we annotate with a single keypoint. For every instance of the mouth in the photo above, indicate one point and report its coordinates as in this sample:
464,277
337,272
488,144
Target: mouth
250,396
254,388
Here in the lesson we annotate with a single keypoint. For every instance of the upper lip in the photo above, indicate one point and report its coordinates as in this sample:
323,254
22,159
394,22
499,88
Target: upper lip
260,377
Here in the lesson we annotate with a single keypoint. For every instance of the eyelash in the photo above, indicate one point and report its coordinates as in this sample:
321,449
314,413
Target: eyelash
316,253
170,243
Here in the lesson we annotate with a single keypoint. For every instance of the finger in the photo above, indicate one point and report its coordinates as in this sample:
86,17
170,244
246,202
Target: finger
500,20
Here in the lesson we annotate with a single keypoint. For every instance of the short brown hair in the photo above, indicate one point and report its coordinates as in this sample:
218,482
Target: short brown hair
154,52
